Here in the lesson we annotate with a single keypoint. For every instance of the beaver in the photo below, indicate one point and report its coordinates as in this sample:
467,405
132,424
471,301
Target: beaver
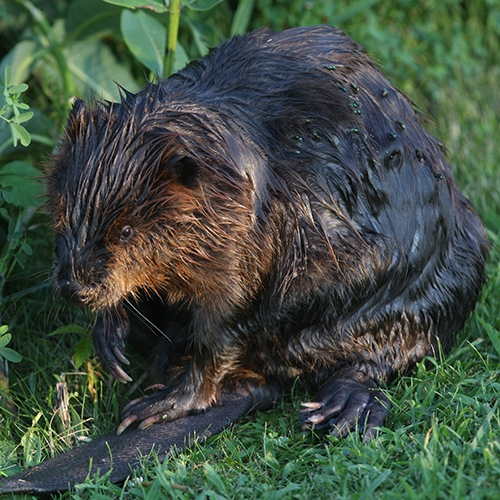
274,211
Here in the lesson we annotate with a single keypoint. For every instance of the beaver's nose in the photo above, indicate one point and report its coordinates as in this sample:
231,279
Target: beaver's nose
73,291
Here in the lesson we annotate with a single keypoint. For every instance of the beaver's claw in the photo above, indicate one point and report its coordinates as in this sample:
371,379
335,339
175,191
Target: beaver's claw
348,401
110,331
164,405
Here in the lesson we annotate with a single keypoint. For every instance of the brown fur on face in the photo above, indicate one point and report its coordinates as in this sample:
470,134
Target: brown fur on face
183,214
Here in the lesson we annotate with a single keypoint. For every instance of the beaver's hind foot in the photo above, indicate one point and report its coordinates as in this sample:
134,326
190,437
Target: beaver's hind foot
164,405
349,400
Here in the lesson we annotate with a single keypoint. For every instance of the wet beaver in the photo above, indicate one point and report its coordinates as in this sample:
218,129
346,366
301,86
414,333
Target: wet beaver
274,210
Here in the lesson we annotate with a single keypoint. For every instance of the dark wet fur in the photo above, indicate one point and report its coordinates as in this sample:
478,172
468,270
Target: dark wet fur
277,211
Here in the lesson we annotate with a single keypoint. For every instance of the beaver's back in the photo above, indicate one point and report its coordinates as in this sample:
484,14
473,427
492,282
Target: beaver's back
341,143
325,116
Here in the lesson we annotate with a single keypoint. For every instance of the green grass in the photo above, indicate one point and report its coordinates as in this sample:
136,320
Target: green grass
442,438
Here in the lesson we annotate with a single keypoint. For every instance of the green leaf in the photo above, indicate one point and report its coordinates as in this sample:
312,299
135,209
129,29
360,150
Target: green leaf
6,195
156,5
4,329
19,58
242,17
24,117
31,445
16,235
94,65
5,339
181,57
26,248
23,181
83,351
86,18
7,75
200,5
7,352
18,167
73,328
21,259
146,38
198,37
18,89
21,133
10,355
493,333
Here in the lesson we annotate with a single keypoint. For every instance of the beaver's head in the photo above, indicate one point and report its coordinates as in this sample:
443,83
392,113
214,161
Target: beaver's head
143,196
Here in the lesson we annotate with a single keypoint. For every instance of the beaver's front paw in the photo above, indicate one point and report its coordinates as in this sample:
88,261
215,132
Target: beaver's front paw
110,331
163,405
349,400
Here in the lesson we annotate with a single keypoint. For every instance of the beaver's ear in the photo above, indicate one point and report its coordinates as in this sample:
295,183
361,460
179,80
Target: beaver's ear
184,169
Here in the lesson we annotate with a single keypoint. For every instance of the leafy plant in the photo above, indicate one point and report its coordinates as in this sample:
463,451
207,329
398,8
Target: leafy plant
6,352
18,186
13,194
149,39
12,102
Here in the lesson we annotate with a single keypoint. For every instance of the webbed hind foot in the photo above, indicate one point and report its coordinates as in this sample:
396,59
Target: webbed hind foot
349,400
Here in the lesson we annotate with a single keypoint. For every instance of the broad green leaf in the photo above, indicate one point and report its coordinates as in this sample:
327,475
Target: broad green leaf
6,195
6,352
4,329
146,38
94,65
156,5
21,133
181,57
242,17
22,168
26,248
82,351
10,355
24,182
16,235
19,58
21,259
17,89
85,18
69,329
24,117
5,339
198,37
201,5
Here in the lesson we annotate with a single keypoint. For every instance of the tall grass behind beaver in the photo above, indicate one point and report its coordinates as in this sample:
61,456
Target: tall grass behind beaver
273,211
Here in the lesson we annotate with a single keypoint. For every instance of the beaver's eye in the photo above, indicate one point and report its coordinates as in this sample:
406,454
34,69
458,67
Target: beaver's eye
127,233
